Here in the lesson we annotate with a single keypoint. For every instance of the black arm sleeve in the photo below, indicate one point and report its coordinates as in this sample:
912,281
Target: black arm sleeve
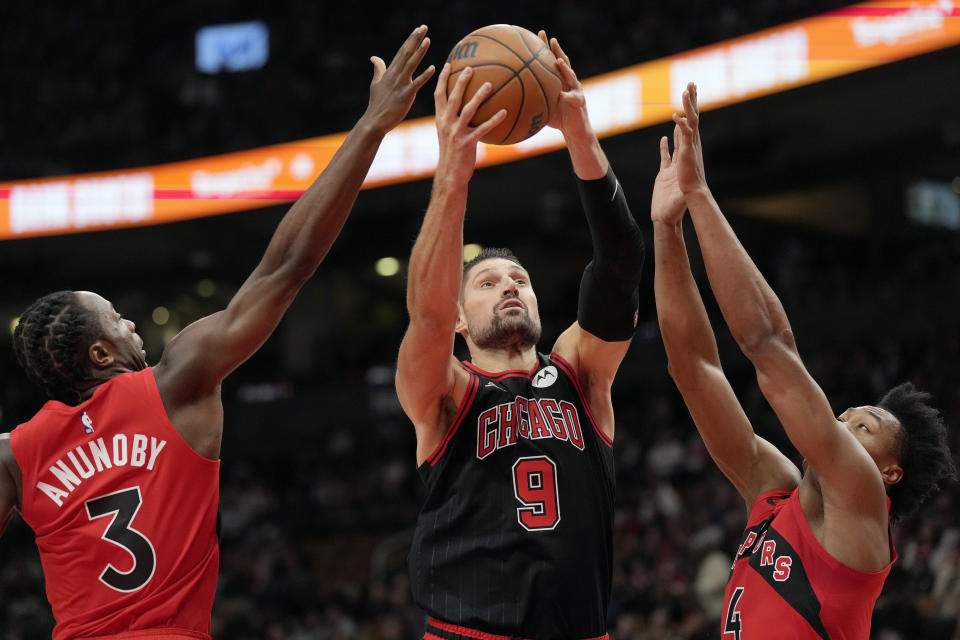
609,290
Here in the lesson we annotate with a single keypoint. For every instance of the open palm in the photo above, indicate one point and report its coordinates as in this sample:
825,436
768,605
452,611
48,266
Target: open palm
667,204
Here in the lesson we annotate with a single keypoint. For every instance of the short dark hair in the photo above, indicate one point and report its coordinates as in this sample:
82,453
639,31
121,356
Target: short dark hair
50,340
488,253
924,453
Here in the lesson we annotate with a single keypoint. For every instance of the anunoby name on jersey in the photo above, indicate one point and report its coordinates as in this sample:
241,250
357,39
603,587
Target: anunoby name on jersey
123,452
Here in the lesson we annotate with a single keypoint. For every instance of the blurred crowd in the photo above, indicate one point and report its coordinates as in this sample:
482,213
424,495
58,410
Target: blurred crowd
320,491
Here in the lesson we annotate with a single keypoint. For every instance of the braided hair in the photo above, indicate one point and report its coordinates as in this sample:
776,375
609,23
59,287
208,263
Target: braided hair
50,340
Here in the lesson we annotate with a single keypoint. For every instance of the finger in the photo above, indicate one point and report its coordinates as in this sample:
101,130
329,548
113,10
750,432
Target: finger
470,109
664,153
676,142
683,127
414,61
410,44
567,76
491,124
422,79
379,67
690,104
688,108
543,36
558,51
456,95
696,104
440,93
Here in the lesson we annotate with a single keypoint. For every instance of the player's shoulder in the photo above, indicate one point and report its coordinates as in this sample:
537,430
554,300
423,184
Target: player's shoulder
8,461
5,448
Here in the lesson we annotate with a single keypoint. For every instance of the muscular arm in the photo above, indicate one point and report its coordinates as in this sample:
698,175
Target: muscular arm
752,464
9,481
593,351
196,361
429,381
848,477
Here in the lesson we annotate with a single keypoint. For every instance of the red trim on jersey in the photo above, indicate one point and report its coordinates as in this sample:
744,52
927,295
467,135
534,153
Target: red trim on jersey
583,398
464,407
503,374
474,633
430,636
464,631
159,634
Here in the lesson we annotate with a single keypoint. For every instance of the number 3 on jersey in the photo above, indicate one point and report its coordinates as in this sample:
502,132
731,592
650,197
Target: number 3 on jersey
535,486
123,505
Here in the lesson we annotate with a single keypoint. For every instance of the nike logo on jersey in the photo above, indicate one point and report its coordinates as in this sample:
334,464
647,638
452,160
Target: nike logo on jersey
135,451
531,418
494,385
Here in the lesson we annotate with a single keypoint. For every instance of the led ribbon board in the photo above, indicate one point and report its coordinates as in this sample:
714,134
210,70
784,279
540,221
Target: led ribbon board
825,46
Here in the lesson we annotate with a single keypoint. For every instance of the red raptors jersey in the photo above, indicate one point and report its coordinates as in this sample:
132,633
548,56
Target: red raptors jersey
785,585
124,513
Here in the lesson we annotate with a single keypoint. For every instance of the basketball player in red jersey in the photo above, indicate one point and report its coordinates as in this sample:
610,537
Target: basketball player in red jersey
514,538
817,546
118,474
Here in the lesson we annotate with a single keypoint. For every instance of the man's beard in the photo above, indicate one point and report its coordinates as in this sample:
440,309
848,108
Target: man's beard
507,332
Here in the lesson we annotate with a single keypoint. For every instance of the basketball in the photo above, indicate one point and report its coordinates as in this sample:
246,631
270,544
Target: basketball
524,74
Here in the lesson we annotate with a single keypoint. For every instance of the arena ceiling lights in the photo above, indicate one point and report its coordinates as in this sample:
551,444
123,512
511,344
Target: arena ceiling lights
825,46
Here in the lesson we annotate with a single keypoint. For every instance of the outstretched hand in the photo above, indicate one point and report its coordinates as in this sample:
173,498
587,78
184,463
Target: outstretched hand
688,151
393,87
667,204
458,140
571,113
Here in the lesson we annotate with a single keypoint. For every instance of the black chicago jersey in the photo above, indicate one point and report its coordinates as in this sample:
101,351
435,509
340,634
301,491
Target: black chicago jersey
515,535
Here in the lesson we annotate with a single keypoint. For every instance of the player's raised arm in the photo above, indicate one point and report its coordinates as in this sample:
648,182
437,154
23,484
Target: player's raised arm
609,291
848,476
753,465
197,360
427,372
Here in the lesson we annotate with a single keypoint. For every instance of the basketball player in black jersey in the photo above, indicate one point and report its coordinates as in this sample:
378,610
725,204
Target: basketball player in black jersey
514,539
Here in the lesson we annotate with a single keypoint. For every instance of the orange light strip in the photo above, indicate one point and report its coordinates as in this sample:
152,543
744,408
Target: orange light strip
825,46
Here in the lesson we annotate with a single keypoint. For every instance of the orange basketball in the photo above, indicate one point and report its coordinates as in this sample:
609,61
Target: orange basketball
523,72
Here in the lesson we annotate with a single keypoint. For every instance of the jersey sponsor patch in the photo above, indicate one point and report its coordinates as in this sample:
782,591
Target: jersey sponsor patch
545,377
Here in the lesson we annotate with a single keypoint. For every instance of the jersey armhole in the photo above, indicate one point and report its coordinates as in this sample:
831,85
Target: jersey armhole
571,374
152,391
765,503
842,569
462,410
16,435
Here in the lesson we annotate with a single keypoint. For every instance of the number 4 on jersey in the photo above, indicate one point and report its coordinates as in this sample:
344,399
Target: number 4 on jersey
124,506
732,623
